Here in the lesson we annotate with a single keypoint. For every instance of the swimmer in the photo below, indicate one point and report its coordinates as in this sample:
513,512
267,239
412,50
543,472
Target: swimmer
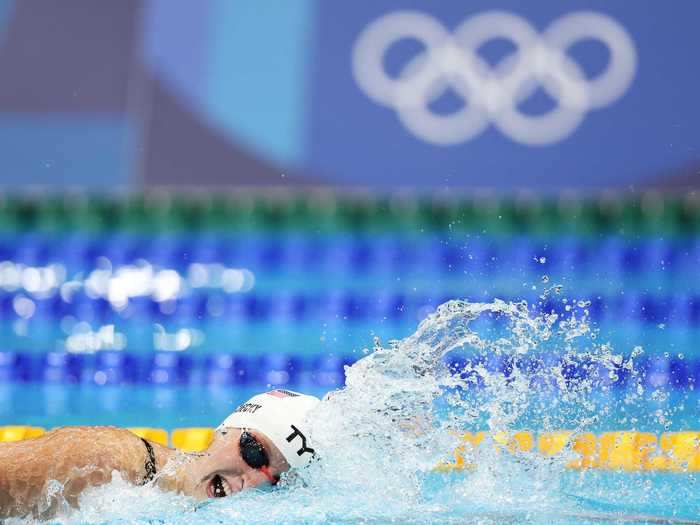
263,438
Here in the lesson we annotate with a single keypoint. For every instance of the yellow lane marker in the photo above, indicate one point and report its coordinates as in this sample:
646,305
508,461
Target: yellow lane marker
192,439
19,432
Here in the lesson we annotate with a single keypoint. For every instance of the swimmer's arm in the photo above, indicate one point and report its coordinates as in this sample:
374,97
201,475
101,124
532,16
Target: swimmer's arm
66,460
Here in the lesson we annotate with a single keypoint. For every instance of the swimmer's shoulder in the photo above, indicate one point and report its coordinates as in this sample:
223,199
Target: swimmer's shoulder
102,447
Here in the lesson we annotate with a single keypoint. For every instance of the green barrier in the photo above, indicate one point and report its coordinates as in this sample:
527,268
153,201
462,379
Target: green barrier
689,212
650,213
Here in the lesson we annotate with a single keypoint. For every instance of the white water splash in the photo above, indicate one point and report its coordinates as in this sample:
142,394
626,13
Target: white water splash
403,409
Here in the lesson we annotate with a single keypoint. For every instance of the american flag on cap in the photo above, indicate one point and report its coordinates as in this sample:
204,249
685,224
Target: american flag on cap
282,393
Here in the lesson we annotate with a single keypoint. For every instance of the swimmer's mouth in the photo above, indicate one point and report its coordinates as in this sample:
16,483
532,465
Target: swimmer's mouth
218,487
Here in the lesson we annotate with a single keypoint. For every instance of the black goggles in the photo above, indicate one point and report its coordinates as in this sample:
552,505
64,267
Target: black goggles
252,451
255,456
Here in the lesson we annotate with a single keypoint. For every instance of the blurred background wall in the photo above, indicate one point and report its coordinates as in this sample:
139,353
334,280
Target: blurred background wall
136,93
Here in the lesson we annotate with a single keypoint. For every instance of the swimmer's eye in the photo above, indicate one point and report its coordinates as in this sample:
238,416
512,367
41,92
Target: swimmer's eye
252,451
255,455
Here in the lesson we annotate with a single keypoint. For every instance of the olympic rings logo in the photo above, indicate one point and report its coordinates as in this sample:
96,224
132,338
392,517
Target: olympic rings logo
492,94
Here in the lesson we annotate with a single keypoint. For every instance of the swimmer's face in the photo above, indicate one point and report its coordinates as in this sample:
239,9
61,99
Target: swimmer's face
222,471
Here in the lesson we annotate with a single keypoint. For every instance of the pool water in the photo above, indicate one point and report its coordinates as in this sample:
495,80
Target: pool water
482,498
380,436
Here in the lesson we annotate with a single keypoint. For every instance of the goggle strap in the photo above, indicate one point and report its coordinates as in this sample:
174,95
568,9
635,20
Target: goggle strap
272,479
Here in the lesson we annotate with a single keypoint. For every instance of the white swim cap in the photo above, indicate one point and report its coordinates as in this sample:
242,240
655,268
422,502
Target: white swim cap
279,414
